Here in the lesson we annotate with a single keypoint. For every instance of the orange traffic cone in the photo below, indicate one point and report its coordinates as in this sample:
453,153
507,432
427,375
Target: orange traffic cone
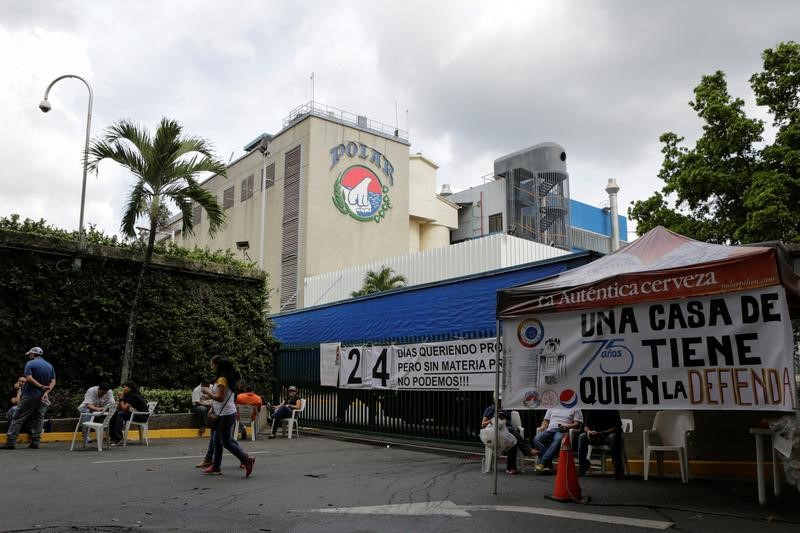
567,488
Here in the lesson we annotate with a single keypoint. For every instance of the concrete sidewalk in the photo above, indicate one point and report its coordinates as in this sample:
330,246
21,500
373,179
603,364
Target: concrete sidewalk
326,484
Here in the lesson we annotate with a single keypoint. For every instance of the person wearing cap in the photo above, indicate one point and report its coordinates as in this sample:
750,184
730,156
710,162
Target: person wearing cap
284,410
40,380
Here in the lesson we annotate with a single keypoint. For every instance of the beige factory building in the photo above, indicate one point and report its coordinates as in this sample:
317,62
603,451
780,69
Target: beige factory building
342,191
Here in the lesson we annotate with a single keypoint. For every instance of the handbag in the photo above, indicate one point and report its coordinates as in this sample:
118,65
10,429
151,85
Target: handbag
212,418
505,440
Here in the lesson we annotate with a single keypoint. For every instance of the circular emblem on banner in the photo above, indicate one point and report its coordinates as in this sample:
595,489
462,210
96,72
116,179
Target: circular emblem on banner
530,332
549,399
531,399
358,192
568,398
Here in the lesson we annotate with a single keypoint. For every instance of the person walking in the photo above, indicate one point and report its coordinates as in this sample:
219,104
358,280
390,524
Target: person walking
40,381
223,393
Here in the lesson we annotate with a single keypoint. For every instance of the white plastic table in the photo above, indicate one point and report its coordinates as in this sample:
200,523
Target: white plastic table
759,433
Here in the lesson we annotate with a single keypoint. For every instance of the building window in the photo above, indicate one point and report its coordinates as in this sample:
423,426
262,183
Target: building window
496,223
247,187
197,215
227,198
270,177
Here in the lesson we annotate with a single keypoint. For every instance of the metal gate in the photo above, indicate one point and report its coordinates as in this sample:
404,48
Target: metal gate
447,416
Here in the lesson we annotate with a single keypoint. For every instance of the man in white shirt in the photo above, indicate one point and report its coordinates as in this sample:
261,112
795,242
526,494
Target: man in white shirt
200,406
95,400
556,423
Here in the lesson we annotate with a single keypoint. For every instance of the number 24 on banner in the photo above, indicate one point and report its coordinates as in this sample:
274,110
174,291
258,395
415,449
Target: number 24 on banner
365,367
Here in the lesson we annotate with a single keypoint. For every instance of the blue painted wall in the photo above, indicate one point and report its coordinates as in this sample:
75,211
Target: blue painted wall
590,218
456,307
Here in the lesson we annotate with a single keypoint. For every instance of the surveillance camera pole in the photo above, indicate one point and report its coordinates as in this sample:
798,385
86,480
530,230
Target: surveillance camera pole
263,148
45,107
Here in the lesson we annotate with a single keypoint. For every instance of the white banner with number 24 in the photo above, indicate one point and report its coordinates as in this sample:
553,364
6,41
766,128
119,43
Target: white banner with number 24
367,367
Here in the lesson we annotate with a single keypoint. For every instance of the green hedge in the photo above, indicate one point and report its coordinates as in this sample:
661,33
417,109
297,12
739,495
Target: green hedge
187,314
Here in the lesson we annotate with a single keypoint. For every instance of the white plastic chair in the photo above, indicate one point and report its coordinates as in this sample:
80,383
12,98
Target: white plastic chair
672,427
100,428
627,427
292,422
142,423
245,419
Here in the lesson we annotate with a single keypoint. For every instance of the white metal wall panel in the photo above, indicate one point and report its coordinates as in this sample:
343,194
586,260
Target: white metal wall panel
462,259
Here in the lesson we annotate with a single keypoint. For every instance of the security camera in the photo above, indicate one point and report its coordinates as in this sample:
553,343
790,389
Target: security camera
45,106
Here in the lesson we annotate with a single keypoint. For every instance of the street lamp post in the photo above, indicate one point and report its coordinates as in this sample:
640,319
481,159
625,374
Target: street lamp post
263,147
45,107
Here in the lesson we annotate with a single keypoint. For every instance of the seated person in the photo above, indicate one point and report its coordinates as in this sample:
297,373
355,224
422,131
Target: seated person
522,445
201,405
601,427
129,400
96,399
16,397
248,397
284,410
557,422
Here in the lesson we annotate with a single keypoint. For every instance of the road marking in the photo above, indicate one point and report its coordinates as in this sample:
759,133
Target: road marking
574,515
451,509
161,458
413,509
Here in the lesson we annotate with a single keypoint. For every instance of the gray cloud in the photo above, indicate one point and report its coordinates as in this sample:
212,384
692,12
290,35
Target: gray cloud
472,81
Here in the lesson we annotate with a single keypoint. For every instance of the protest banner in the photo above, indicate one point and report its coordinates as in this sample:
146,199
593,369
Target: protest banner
467,364
729,351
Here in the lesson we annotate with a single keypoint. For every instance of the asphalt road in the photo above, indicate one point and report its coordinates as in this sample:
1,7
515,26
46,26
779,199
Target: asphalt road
316,484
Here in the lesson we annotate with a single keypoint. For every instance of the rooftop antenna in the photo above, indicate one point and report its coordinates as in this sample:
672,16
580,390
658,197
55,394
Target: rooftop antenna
231,157
312,89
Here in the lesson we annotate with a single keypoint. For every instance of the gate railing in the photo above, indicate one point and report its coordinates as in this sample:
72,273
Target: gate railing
450,416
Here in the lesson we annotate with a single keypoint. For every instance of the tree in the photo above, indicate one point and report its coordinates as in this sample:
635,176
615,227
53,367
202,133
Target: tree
166,167
733,187
383,280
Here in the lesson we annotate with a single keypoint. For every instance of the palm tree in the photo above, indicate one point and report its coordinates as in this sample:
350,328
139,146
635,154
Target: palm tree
383,280
166,167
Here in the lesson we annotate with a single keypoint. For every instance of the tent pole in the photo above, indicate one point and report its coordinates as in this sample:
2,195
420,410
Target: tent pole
496,401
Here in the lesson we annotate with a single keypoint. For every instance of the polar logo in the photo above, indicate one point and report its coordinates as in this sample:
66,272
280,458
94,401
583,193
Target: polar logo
359,193
568,398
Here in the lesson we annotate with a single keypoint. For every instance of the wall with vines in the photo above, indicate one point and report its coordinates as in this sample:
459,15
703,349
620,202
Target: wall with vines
191,309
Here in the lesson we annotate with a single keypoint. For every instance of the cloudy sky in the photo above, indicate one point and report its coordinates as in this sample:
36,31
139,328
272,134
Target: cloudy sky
470,81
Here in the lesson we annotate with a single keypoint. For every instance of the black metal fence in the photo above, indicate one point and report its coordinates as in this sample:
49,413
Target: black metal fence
447,416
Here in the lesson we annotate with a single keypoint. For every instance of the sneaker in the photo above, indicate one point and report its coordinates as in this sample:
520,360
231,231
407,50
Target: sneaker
248,466
8,447
511,472
203,464
272,435
211,471
115,442
539,468
33,445
583,470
